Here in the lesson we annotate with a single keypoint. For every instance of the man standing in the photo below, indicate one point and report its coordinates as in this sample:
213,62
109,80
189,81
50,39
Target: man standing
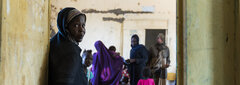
138,60
159,60
65,62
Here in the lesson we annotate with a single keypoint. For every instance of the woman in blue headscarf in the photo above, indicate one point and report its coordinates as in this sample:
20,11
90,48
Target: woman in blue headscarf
138,60
107,66
65,62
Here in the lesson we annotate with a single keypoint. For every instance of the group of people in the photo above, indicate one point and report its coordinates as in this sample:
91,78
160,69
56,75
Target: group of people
67,67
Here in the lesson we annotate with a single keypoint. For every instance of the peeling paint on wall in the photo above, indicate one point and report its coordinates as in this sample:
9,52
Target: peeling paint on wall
52,31
115,11
74,0
119,20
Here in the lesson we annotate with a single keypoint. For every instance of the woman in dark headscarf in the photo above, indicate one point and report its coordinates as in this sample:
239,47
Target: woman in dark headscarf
138,60
65,62
106,67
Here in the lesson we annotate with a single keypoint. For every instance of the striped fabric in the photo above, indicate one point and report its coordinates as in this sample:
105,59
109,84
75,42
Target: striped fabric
73,13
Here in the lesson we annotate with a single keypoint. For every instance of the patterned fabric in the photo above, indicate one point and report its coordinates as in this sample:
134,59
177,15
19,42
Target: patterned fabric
73,13
125,73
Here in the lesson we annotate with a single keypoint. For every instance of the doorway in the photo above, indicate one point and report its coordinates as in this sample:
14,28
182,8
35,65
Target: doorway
151,36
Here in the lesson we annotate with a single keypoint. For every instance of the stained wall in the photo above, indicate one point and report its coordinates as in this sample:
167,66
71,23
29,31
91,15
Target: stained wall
24,42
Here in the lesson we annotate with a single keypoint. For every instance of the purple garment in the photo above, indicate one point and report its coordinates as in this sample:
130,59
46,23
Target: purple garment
106,67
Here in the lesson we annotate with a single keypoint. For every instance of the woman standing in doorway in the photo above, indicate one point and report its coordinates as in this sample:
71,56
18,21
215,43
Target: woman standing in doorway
138,60
159,60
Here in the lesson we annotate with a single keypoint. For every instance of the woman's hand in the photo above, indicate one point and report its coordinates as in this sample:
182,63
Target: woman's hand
131,60
166,66
128,61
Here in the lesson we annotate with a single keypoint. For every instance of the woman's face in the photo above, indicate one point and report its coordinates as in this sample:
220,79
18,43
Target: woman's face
134,41
88,62
77,28
159,40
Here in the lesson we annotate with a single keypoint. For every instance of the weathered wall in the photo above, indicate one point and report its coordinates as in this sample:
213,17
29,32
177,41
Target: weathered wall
238,47
114,21
210,42
24,42
0,28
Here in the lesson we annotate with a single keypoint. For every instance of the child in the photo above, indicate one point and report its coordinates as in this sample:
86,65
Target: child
87,61
146,80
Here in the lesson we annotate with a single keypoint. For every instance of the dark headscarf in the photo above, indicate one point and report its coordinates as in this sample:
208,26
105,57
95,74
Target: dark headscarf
107,70
65,62
65,16
61,20
136,37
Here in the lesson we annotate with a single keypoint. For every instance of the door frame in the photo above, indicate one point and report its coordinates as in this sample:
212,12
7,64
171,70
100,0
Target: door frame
181,43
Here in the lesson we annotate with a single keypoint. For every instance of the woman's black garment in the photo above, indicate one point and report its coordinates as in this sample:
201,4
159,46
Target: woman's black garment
65,62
